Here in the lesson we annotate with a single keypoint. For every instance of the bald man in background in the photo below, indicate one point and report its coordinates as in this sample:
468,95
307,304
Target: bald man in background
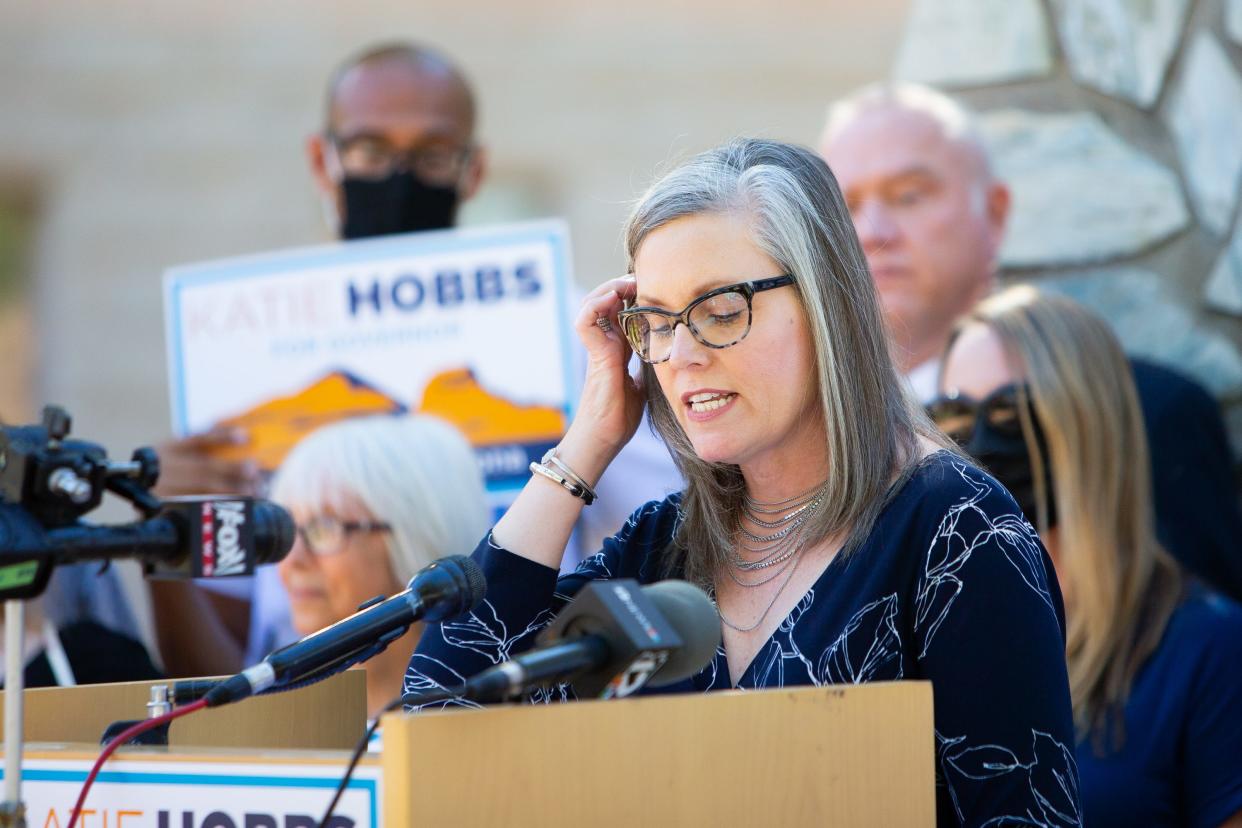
928,210
396,154
930,213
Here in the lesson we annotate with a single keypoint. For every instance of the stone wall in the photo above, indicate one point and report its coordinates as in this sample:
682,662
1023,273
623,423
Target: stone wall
1118,124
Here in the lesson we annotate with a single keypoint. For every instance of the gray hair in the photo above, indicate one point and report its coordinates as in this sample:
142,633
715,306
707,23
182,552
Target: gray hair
800,220
416,473
958,123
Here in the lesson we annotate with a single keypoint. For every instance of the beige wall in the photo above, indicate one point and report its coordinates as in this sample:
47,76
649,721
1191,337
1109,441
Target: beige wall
169,132
161,133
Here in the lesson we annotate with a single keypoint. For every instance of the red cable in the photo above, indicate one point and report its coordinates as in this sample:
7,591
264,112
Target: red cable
125,736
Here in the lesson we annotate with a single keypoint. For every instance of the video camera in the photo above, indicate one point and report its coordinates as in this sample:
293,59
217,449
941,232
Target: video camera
48,482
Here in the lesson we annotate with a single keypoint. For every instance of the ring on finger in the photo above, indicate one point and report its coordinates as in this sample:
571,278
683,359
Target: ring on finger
603,323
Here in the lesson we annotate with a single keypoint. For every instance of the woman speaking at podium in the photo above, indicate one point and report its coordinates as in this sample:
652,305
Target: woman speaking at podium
842,537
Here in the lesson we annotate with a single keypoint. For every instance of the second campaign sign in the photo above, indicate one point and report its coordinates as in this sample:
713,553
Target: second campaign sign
472,326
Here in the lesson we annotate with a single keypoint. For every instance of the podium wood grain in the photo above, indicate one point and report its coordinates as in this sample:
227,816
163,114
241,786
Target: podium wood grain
858,755
330,715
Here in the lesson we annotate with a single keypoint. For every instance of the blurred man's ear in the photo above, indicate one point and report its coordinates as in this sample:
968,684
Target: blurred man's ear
998,202
316,149
329,191
475,172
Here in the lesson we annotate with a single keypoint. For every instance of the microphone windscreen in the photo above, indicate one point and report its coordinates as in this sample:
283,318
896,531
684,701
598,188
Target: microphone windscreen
693,615
475,581
449,587
274,532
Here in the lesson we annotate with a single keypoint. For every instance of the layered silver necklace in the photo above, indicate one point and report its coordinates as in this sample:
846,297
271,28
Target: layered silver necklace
771,537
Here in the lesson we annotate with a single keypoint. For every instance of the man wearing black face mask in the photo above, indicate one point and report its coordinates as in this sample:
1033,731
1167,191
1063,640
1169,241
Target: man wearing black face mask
397,153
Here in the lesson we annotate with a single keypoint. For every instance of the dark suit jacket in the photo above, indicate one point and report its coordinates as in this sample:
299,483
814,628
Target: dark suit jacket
96,654
1198,517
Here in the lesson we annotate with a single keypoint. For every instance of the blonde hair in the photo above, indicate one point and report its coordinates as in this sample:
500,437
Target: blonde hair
1120,585
799,219
416,473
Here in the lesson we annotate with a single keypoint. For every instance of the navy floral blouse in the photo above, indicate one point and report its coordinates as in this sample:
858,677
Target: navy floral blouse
952,586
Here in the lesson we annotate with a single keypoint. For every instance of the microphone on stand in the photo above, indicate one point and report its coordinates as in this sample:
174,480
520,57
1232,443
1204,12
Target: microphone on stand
613,639
443,589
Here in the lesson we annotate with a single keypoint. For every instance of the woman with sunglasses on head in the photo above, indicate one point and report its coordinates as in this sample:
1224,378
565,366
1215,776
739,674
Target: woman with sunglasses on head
1041,393
375,499
841,541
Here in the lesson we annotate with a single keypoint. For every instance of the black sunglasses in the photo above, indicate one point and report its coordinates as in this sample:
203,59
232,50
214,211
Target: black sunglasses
958,415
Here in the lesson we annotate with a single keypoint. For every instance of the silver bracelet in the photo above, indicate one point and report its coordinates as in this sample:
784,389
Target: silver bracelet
552,458
564,476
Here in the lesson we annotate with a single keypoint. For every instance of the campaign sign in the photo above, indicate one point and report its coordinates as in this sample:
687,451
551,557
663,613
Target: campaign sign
178,793
470,325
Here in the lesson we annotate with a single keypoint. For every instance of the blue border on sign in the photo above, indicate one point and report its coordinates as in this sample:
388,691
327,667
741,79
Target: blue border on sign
155,778
176,279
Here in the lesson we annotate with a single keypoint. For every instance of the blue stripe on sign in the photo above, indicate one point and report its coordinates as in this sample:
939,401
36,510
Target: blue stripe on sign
506,467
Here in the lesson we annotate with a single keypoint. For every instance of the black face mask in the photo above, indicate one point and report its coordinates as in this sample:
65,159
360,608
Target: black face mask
400,203
991,432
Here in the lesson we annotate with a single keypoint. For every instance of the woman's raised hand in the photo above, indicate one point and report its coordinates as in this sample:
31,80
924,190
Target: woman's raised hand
611,406
538,524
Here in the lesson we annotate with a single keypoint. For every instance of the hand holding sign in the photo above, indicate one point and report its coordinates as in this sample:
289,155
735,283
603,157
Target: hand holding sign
470,325
195,465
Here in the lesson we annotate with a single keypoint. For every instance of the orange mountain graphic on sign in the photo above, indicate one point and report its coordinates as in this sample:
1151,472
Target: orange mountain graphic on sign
485,418
276,426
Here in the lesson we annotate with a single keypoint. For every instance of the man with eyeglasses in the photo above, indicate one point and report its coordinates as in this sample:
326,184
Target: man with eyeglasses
931,215
397,154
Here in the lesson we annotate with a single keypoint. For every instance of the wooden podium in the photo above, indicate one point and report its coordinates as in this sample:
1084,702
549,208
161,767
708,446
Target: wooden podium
266,761
330,715
856,755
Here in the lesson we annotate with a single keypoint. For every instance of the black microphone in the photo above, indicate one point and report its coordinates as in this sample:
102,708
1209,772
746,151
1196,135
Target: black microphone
614,638
49,482
223,536
443,589
189,538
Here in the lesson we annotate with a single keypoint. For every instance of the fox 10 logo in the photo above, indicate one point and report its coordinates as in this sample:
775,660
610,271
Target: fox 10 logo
225,535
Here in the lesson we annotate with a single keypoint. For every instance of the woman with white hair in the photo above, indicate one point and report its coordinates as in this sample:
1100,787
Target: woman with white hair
375,500
842,539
